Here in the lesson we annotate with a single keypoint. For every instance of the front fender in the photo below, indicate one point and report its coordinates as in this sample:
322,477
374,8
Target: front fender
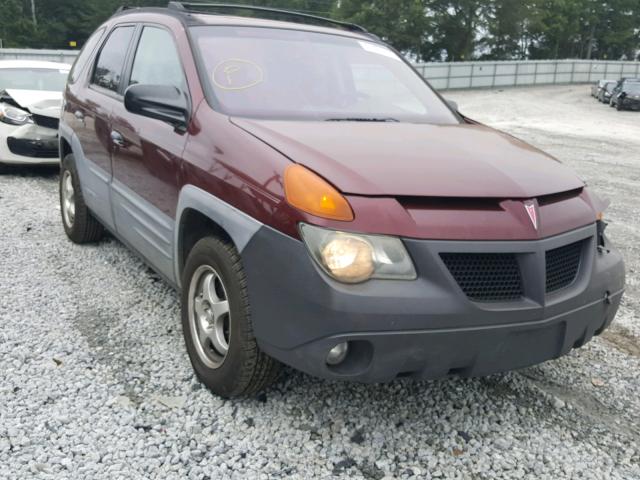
238,225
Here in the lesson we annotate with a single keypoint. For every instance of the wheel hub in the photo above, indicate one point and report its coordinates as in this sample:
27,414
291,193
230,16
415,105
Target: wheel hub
68,198
209,316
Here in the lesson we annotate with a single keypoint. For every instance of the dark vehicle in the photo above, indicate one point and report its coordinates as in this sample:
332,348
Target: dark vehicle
620,83
604,95
626,95
597,87
318,204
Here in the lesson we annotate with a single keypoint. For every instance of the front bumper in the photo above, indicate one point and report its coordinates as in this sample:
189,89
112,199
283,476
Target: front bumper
429,327
630,103
28,144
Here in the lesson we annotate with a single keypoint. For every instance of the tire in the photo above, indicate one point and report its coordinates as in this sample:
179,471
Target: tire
618,105
611,103
243,369
80,225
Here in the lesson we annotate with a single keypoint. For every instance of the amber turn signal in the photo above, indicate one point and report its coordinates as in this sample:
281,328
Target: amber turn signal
308,192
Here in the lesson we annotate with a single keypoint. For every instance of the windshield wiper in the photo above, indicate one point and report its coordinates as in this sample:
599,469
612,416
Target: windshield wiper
362,119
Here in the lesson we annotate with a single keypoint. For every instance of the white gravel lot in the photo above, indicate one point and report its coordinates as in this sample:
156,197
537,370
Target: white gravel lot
96,382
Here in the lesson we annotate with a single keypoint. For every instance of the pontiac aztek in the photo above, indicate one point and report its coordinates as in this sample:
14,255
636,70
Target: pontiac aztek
318,204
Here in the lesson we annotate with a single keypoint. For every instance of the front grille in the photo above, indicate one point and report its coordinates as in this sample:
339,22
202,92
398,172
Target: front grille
486,277
45,121
562,266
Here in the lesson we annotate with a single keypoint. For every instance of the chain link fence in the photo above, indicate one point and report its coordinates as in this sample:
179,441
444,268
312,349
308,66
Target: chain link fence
453,75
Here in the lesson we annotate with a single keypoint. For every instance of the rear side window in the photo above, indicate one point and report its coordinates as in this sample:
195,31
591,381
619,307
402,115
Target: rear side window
110,62
155,68
84,55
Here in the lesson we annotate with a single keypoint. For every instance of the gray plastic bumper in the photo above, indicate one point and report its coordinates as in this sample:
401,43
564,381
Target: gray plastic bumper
428,327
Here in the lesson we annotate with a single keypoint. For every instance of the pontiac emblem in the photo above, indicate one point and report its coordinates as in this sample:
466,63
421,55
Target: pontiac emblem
531,211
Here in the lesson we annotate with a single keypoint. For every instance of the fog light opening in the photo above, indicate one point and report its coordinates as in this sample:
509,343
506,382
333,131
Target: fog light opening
337,354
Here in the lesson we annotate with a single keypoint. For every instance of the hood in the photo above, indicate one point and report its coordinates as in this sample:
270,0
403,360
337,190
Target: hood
403,159
36,101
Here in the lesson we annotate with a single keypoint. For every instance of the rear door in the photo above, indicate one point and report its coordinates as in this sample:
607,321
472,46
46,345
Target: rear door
91,111
147,154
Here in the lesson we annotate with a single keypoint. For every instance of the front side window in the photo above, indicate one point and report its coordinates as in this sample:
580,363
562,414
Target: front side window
288,74
110,62
84,55
157,61
46,79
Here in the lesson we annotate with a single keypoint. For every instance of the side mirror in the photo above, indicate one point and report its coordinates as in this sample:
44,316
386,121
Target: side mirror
453,105
162,102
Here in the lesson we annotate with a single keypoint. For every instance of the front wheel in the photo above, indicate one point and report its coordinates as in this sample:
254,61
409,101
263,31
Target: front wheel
217,325
619,105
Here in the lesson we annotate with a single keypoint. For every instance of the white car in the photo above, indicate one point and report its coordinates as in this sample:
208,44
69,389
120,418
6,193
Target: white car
30,101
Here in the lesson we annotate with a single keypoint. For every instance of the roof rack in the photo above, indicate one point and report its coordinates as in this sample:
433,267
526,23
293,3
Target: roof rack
123,8
196,7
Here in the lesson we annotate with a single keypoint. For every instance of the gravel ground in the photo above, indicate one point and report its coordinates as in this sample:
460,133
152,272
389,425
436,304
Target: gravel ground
96,382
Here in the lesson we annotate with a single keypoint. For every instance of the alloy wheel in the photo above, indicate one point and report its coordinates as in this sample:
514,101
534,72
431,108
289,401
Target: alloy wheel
209,316
68,199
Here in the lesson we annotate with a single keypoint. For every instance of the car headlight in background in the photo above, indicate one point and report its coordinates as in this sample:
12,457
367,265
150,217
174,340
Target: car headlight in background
355,258
13,115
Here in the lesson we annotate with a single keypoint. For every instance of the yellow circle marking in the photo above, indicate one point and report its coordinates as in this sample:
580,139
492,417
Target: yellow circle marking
227,69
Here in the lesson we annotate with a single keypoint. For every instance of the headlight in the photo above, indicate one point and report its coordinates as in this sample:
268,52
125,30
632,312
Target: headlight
12,115
355,258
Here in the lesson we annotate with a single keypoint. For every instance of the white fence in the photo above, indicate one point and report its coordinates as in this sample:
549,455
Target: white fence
488,74
452,75
63,56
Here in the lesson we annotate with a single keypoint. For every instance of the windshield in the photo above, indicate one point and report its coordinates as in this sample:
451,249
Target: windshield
33,79
289,74
633,88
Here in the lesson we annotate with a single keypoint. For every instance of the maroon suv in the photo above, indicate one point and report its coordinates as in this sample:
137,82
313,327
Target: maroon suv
318,204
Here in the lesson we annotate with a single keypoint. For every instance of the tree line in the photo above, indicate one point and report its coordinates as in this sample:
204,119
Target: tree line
425,30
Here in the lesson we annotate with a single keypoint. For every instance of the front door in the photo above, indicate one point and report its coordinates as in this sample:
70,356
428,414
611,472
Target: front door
146,156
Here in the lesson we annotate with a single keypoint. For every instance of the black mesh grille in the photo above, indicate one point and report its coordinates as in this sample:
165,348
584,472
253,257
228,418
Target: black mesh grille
486,277
562,266
45,121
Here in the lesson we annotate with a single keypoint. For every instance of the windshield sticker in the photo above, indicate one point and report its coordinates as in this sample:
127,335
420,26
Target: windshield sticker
237,74
378,49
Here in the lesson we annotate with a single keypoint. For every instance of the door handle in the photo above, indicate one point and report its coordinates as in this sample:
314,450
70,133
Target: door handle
117,138
79,116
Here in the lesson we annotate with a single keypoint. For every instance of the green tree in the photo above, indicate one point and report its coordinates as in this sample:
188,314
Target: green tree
421,29
455,28
403,23
15,29
508,26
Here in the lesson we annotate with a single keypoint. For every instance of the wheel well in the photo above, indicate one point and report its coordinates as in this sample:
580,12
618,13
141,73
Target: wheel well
194,226
65,148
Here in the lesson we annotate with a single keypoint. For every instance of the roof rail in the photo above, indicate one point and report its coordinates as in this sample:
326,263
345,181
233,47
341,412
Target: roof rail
122,8
196,7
